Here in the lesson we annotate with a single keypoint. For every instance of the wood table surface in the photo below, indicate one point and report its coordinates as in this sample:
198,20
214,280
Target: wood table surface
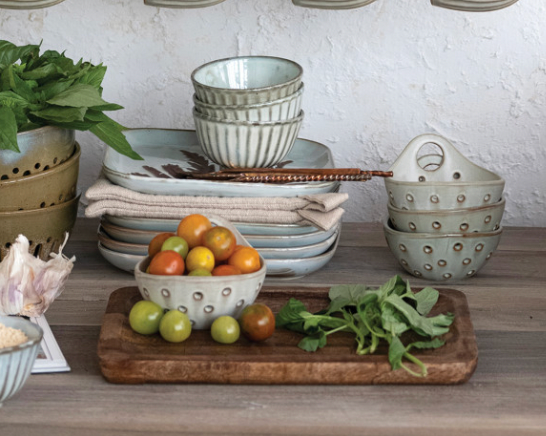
506,395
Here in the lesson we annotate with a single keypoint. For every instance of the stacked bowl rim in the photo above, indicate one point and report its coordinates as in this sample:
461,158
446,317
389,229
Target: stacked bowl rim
273,90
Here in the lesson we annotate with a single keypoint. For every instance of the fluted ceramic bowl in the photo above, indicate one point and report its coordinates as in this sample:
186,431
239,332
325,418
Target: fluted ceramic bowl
246,80
275,110
467,220
442,257
203,299
246,144
332,4
16,362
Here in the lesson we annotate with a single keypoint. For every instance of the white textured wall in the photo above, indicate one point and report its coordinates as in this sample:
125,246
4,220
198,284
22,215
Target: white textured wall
375,77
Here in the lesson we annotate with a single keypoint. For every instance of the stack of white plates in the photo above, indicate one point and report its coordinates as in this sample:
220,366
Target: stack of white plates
291,250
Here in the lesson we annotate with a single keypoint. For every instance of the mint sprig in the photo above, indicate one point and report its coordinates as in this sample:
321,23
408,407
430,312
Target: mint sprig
50,89
373,316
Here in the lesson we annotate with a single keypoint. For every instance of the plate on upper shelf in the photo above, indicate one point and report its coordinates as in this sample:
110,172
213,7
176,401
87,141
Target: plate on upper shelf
179,150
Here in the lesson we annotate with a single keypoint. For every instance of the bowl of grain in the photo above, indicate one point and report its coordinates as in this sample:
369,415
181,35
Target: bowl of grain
19,343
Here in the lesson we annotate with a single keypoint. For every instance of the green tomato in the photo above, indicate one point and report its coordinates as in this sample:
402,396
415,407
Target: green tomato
145,317
200,272
175,326
176,243
225,329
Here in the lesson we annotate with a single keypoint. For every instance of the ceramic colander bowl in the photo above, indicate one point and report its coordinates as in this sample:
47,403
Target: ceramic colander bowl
442,257
452,182
16,362
48,188
203,298
474,219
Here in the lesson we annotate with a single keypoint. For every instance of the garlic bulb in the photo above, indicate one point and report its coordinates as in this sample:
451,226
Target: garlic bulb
28,285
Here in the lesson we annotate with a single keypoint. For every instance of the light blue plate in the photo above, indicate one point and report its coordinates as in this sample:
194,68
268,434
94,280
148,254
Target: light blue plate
180,150
139,236
170,225
125,262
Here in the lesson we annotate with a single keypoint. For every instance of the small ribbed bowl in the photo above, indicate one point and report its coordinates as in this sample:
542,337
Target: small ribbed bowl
48,188
276,110
246,80
182,4
467,220
246,144
203,299
473,5
16,362
28,4
332,4
442,257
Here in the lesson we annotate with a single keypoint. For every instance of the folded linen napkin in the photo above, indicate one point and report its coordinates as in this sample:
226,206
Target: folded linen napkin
320,210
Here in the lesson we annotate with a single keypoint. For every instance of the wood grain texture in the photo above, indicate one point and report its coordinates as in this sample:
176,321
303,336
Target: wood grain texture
505,396
127,357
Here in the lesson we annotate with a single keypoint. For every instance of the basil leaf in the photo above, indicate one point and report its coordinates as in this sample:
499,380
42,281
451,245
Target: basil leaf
396,352
79,95
426,300
290,313
111,133
8,130
10,53
410,314
60,114
349,292
435,343
314,342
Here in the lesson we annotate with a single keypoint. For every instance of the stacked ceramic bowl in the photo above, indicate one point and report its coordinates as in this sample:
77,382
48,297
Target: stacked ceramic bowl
445,212
38,195
247,110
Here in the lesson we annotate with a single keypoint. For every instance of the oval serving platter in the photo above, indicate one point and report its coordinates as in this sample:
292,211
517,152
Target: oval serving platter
169,153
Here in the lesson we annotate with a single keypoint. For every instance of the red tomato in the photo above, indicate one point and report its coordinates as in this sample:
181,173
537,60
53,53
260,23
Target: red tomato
155,244
167,263
226,270
247,259
220,241
192,228
257,322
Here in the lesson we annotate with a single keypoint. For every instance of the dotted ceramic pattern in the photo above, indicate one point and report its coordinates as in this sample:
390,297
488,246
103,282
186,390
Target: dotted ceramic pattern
477,219
453,182
203,299
442,257
246,144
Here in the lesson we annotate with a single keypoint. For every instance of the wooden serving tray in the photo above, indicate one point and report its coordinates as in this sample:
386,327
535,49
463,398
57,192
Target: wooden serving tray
127,357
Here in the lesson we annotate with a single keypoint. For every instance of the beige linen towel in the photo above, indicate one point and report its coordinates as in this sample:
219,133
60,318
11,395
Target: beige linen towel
321,210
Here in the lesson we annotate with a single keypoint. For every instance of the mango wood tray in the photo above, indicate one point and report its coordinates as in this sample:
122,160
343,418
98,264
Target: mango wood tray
127,357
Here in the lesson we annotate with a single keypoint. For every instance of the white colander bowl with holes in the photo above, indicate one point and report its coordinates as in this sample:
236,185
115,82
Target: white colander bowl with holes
203,299
467,220
440,182
442,257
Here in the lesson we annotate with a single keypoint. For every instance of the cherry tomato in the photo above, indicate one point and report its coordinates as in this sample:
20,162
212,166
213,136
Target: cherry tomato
226,270
200,272
167,263
221,241
176,243
192,228
175,326
257,322
200,258
225,329
155,244
145,316
247,259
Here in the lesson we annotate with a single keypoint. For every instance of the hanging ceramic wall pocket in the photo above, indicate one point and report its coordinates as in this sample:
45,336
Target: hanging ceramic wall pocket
28,4
473,5
332,4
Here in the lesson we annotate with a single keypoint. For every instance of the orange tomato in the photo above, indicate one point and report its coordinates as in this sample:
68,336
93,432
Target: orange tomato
226,270
221,241
155,244
167,263
257,322
192,228
247,259
200,258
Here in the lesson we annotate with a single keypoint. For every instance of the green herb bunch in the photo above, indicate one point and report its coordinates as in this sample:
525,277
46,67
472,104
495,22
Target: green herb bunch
372,315
51,90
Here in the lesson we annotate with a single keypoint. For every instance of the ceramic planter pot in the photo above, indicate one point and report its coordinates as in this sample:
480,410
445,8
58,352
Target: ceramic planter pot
45,227
473,5
41,149
50,187
332,4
